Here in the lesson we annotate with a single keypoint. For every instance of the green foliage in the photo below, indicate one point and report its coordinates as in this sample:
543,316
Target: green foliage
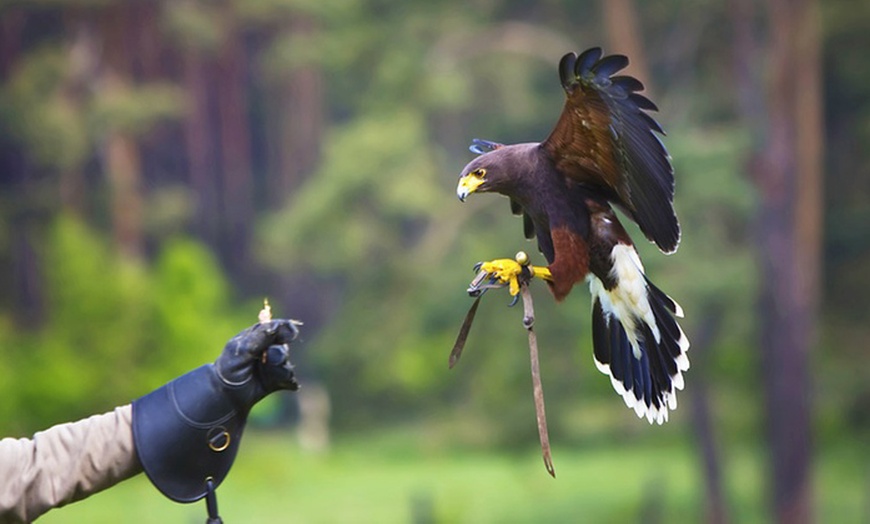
197,25
116,328
43,107
36,111
374,171
387,187
98,314
192,308
714,272
135,110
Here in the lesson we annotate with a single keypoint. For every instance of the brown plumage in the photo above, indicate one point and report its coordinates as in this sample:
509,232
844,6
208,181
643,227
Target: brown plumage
603,151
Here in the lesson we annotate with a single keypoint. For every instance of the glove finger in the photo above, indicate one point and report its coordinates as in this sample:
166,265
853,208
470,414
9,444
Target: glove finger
276,355
254,340
285,331
276,371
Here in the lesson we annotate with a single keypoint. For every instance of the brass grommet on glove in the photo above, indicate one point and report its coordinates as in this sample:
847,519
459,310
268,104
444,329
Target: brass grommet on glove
218,439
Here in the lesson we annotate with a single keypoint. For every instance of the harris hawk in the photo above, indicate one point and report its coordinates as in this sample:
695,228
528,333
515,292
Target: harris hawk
604,152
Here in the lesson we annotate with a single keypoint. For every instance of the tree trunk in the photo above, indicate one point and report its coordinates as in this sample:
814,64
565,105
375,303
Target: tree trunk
235,152
121,153
80,60
294,126
810,144
199,152
11,30
123,167
303,115
625,36
787,171
26,287
701,414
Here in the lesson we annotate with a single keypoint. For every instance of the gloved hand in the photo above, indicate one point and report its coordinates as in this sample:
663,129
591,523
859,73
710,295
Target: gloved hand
256,362
187,432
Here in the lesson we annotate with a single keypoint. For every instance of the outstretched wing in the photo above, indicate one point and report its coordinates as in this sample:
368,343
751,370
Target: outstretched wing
605,138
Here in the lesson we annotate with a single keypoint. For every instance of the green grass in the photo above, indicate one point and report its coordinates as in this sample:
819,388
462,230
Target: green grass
403,476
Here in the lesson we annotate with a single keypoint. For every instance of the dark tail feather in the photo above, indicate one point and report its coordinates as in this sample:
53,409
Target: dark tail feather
648,372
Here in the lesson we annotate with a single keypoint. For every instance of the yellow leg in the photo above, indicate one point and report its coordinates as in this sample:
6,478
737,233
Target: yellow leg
542,272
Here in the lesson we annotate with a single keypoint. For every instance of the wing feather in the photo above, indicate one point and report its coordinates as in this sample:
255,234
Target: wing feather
605,67
584,62
605,138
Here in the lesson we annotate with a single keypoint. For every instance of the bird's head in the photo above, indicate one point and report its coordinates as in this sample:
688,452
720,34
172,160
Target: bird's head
470,181
483,174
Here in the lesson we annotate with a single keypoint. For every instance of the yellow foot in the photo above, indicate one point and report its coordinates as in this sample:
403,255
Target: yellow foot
508,271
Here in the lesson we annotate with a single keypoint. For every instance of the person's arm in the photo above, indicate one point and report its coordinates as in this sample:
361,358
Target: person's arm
64,464
187,432
183,434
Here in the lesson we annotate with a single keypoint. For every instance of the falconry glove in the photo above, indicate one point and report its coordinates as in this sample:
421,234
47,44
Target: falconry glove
187,432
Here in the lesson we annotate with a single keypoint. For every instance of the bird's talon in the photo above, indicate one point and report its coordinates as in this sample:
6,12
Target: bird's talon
505,272
503,269
514,301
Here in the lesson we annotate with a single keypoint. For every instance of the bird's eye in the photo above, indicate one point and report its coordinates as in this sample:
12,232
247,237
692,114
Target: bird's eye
479,172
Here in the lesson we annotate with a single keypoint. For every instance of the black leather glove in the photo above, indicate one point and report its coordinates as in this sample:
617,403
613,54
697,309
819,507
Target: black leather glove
188,431
256,361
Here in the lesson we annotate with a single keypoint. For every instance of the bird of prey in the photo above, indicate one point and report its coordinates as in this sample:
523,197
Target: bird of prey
604,152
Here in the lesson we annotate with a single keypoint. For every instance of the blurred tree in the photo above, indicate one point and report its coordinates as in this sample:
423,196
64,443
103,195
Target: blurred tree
787,171
294,96
624,35
114,329
845,329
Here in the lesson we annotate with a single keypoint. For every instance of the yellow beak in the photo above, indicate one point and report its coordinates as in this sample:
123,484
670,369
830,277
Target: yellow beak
468,185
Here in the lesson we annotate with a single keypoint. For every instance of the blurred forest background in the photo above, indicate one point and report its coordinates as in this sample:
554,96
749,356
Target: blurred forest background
165,165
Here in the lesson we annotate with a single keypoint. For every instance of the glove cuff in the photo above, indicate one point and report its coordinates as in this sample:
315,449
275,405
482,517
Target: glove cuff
187,432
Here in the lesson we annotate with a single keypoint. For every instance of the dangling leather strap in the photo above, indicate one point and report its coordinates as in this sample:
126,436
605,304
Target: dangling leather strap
211,504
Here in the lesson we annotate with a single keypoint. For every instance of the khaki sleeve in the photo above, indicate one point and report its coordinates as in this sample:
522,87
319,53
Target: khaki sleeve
65,463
